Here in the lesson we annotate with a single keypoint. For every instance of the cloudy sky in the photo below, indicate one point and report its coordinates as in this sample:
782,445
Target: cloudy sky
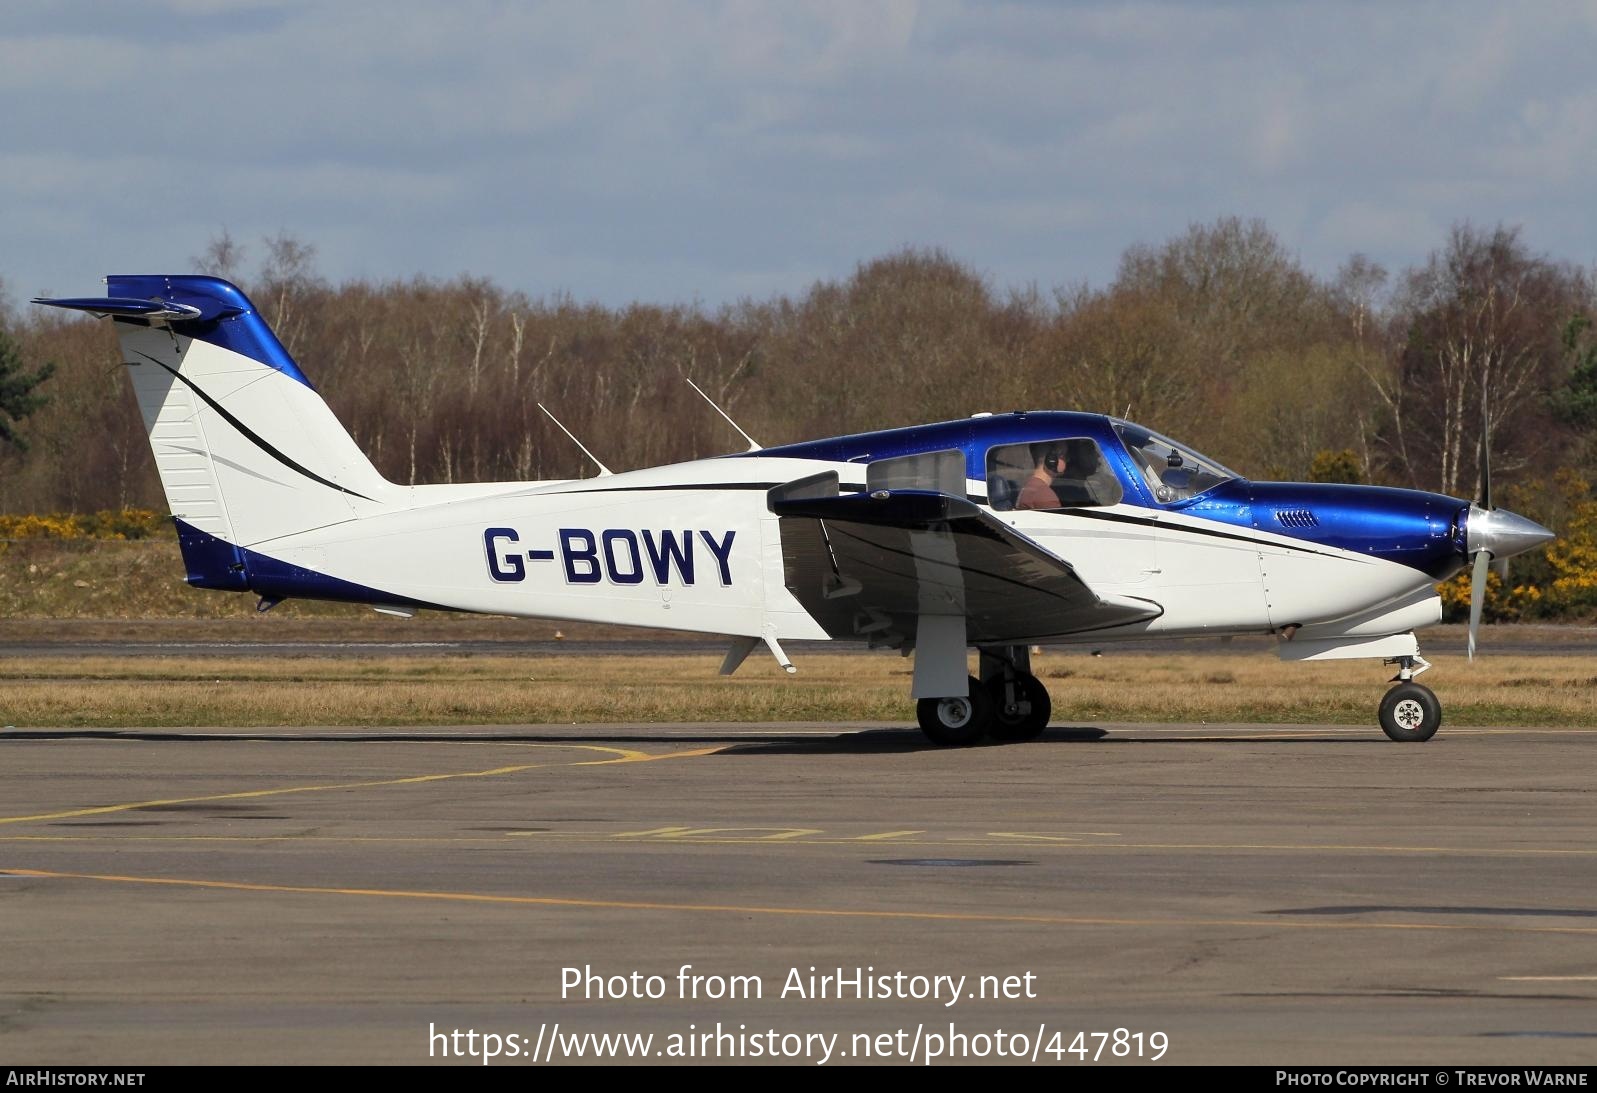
710,151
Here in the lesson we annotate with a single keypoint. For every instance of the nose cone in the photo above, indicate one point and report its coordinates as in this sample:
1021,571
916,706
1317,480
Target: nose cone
1502,533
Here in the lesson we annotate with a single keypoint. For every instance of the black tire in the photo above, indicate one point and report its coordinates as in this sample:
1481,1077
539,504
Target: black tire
1013,727
956,722
1410,713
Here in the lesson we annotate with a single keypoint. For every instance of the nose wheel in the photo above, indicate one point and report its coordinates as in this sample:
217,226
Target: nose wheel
1410,713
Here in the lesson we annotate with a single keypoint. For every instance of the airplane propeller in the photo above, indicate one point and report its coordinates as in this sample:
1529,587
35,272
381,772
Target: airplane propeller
1483,558
1477,596
1493,534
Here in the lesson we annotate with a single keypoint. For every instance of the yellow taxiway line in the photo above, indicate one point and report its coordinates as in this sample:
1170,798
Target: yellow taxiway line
791,912
619,755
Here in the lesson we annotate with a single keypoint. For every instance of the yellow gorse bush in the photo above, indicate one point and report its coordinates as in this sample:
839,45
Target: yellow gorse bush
1502,604
1573,557
124,523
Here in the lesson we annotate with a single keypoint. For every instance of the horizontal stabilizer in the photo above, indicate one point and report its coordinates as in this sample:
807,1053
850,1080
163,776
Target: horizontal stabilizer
127,307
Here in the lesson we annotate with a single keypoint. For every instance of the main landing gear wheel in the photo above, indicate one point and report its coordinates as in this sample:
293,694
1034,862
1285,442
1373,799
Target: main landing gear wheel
1009,723
1410,713
957,722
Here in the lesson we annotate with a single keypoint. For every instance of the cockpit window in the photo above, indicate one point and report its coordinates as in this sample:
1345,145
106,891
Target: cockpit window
1174,473
1050,475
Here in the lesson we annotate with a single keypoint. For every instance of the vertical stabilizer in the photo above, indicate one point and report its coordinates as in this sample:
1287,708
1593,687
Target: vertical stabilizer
246,449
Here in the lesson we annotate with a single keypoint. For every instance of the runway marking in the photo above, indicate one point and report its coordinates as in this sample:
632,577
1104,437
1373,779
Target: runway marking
793,912
645,757
1055,836
794,837
696,834
1548,978
1041,839
883,835
624,755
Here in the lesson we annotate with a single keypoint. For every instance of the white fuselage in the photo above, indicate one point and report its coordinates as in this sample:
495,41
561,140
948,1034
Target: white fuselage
253,457
693,547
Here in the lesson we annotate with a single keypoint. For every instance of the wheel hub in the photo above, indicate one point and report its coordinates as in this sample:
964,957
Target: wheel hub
955,711
1409,714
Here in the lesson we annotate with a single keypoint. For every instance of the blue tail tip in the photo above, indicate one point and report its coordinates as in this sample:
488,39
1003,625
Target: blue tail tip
206,309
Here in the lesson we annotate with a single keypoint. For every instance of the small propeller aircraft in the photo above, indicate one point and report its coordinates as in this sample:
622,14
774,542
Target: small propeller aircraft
999,532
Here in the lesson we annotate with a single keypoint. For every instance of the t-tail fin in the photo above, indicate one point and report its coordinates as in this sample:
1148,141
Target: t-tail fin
246,449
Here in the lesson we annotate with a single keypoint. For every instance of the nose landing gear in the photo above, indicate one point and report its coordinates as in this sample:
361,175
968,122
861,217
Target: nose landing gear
1410,712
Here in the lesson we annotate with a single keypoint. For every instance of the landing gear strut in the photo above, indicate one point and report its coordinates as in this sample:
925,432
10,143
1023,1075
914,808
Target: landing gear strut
1007,704
1410,712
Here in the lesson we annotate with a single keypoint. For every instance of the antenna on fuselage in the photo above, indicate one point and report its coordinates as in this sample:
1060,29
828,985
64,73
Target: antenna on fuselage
603,470
754,445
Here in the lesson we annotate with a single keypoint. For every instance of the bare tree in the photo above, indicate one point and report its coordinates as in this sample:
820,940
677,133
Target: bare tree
286,277
1482,320
222,257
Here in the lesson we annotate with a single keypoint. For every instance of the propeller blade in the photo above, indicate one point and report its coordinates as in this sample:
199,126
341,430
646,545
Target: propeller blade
1477,597
1486,457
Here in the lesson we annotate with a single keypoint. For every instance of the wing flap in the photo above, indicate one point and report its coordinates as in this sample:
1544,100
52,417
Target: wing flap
870,564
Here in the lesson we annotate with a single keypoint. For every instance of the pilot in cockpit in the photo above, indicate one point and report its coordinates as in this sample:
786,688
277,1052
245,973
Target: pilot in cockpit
1063,476
1037,492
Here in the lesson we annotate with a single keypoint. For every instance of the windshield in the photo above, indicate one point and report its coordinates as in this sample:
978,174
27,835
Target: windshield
1173,472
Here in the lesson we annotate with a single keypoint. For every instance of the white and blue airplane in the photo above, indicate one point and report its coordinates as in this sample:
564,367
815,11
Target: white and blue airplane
998,532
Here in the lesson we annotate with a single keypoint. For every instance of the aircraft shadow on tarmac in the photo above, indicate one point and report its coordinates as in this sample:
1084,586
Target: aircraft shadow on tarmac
1436,909
906,740
773,742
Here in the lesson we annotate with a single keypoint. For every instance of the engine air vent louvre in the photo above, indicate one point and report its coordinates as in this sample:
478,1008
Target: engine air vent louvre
1296,518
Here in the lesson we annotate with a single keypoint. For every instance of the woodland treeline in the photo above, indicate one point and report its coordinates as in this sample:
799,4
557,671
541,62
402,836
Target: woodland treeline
1218,337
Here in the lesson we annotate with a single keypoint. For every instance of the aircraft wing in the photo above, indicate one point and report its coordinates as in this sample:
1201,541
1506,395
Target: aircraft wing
869,565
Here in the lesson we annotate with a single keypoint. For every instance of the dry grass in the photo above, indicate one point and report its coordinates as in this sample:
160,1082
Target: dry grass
135,579
241,691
